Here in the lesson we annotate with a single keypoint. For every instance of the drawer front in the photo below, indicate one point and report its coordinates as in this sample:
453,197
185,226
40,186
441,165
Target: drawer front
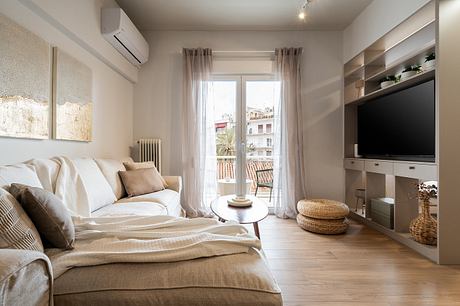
377,166
420,171
354,164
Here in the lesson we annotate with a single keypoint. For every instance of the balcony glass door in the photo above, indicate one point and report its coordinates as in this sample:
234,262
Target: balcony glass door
243,119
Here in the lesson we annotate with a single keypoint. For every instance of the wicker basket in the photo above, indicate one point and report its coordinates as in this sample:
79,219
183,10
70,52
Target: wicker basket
424,228
329,227
323,209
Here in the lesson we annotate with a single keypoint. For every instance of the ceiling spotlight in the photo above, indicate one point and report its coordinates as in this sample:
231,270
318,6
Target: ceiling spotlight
302,15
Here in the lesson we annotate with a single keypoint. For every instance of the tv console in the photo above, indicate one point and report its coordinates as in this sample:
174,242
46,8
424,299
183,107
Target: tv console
393,179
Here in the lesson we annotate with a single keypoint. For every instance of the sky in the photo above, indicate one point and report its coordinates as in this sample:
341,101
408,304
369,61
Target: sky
259,94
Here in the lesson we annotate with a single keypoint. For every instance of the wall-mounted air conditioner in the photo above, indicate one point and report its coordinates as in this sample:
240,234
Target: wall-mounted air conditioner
119,31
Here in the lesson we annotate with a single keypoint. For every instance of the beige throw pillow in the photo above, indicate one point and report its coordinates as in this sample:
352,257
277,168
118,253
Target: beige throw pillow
110,168
141,181
145,165
16,229
49,214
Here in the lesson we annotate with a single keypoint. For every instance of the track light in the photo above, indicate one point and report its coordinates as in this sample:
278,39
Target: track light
303,10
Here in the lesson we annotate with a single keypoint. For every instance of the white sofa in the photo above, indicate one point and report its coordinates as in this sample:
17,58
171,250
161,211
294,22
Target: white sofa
239,279
105,191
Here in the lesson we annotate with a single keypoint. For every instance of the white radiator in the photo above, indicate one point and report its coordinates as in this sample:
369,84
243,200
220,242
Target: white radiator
150,151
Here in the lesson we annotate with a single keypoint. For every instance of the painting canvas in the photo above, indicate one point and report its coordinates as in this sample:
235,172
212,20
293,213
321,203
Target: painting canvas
73,98
25,82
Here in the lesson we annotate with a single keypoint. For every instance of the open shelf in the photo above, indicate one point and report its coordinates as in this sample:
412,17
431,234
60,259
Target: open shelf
415,58
355,71
406,45
418,78
428,251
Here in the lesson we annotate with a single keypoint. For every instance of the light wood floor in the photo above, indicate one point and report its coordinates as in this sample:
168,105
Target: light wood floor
362,267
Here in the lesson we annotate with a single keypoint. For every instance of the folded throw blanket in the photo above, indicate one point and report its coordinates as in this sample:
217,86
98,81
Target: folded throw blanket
150,239
60,176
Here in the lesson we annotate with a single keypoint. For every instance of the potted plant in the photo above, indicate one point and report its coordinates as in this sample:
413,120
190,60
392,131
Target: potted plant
424,228
388,81
410,71
430,61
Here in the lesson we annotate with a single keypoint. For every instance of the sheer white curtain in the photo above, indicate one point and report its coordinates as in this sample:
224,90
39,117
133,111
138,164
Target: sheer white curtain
288,165
198,133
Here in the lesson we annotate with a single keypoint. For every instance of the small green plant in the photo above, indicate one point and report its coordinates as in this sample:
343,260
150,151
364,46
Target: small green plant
430,57
416,68
426,192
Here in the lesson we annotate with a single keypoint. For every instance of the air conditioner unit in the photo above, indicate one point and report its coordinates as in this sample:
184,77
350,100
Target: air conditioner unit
119,31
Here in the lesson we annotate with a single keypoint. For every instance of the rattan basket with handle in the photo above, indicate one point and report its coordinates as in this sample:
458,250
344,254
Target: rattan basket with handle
424,228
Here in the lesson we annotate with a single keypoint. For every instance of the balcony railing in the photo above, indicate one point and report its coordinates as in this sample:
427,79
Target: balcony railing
226,168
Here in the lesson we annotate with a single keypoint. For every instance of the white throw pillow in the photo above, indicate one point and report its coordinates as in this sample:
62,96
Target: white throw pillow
21,174
99,191
110,169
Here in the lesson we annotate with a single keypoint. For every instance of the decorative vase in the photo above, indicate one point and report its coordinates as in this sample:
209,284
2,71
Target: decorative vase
424,228
429,65
408,74
386,84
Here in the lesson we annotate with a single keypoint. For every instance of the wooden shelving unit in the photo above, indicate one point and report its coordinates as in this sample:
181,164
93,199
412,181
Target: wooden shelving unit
407,44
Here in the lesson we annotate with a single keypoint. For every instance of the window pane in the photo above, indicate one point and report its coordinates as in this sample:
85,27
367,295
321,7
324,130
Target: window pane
224,102
260,102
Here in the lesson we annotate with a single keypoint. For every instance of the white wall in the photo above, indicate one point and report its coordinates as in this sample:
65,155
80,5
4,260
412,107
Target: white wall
112,93
158,95
81,21
377,19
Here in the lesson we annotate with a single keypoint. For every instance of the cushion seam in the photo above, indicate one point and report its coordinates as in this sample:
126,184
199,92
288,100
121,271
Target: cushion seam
171,288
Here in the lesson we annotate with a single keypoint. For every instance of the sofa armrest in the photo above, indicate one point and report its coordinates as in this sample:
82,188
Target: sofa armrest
26,278
174,183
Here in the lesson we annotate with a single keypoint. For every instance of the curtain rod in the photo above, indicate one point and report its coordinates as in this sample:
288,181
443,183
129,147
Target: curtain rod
238,51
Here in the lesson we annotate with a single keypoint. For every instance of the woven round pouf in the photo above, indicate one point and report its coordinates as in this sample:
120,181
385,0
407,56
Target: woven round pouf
327,226
323,209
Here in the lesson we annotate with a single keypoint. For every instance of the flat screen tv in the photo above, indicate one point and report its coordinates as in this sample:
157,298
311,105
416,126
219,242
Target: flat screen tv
400,125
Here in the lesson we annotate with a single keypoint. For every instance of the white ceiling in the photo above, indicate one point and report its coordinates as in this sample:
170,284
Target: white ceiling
241,14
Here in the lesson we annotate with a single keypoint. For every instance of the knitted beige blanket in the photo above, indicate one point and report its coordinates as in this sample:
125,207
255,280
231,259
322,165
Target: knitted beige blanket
150,239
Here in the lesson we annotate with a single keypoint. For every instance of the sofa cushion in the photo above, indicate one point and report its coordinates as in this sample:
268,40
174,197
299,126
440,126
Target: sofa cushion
47,172
141,181
131,209
99,191
48,213
16,229
240,279
21,174
169,198
110,169
145,165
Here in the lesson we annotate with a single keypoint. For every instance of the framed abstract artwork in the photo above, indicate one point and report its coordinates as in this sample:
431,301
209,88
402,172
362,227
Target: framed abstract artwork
72,98
25,82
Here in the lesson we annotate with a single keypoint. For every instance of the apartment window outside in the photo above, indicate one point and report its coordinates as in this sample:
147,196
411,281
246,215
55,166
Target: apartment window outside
269,142
250,131
260,128
268,153
268,128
